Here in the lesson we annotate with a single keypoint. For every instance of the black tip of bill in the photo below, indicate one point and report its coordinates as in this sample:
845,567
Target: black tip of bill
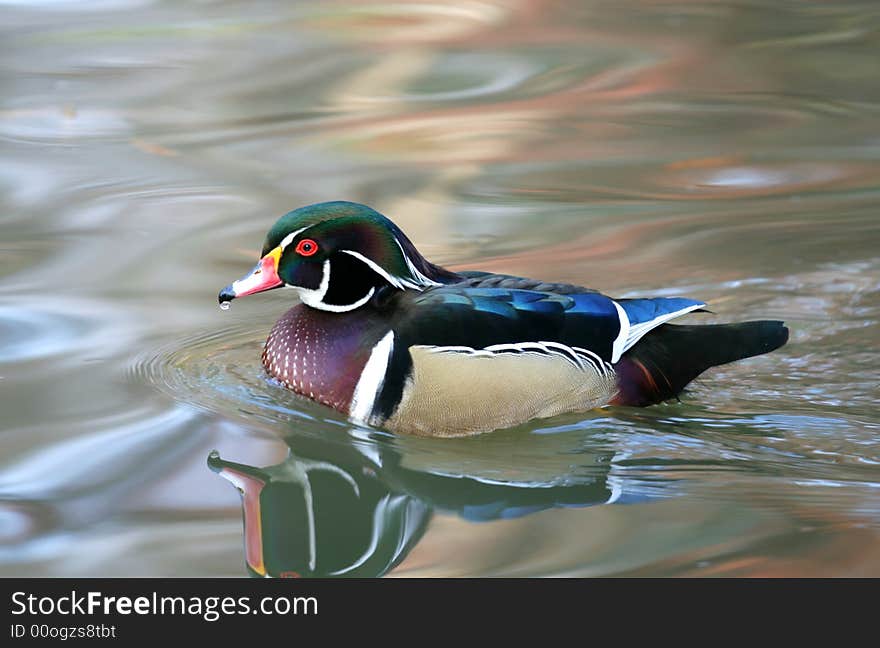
226,295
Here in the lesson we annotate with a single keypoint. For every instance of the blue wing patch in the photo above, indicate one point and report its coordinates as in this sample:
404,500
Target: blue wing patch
594,304
491,304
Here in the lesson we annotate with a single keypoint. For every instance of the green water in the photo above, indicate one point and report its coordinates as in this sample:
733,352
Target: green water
728,152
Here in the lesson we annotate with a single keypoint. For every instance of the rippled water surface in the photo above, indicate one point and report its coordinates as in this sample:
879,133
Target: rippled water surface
729,152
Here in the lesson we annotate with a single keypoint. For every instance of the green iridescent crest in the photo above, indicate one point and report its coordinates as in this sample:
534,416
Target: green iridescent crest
361,232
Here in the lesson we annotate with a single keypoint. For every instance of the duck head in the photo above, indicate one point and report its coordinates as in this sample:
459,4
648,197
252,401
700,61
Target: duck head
337,255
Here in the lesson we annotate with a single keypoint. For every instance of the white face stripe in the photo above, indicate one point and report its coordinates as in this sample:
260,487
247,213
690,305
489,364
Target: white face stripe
422,280
372,378
287,239
314,297
394,281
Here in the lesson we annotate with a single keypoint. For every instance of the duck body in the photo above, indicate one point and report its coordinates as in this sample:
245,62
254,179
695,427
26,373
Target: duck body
393,341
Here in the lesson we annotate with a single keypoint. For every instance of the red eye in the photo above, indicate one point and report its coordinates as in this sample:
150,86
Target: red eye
306,247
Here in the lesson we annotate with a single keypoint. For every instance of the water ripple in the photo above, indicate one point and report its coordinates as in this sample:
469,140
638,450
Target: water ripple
34,329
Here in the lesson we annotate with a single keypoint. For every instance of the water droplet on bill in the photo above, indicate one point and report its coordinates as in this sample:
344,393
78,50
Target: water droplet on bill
224,305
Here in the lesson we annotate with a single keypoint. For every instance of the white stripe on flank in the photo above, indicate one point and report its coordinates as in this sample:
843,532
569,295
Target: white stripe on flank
442,349
620,345
581,358
371,380
604,366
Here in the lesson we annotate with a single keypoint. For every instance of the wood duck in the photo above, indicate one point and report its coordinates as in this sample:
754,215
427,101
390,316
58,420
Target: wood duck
394,341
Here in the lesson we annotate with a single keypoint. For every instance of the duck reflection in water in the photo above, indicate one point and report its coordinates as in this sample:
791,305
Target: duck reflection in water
360,513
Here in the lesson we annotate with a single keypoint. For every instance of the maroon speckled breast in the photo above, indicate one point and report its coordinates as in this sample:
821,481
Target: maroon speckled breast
318,354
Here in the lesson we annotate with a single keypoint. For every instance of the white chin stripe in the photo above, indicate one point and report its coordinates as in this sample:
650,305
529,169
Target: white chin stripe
315,297
339,308
372,378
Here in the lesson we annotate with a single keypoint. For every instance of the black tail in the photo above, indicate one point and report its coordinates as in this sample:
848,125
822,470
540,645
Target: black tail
660,365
